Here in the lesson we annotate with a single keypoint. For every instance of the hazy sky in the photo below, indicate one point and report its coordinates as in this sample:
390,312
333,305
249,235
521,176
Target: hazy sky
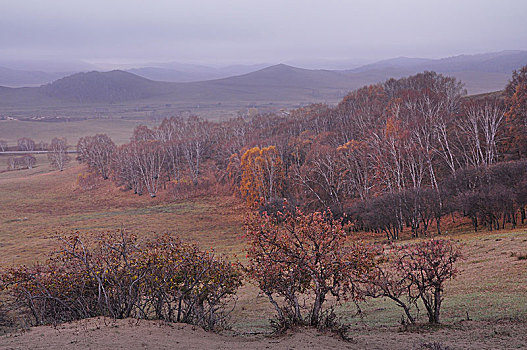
243,31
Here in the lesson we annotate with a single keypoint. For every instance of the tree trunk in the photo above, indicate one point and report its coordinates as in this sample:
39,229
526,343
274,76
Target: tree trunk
277,308
405,308
317,307
437,305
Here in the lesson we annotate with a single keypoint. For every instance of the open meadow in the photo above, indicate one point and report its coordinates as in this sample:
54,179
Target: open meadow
118,129
485,306
39,204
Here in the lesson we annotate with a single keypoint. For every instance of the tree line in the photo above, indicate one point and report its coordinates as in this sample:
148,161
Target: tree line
24,144
57,152
400,154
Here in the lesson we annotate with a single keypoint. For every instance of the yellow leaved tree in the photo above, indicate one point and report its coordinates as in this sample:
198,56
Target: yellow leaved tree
262,175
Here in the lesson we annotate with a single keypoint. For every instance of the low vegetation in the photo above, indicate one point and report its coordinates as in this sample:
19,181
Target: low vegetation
412,272
299,261
115,276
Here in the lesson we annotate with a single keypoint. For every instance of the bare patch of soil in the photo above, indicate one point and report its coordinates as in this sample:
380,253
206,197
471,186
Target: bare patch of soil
100,333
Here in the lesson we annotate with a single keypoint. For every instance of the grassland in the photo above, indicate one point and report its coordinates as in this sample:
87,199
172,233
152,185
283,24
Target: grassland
38,204
118,129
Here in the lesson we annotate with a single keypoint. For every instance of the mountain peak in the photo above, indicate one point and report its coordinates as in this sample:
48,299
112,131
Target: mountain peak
102,87
279,67
113,74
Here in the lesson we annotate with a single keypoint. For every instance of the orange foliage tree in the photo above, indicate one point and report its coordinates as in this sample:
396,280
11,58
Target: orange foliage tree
262,174
516,116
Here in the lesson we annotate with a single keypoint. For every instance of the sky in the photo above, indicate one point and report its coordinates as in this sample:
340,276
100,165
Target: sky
218,32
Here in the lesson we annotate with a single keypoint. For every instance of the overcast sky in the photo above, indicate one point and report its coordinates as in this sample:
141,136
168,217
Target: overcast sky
243,31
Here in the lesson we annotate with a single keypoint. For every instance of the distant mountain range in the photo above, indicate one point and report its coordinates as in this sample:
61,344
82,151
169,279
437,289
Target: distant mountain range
279,83
176,84
15,76
495,62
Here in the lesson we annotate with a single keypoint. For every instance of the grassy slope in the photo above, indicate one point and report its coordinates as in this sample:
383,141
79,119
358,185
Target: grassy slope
36,205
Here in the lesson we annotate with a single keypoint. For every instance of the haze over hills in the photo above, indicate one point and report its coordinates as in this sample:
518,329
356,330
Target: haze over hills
29,73
275,83
18,74
496,62
281,84
481,73
18,78
183,73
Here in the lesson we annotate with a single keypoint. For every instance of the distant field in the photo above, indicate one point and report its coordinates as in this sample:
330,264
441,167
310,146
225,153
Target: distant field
119,130
37,205
143,110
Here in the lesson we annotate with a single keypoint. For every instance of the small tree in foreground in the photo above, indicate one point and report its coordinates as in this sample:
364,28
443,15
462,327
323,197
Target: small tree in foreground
387,281
300,260
413,272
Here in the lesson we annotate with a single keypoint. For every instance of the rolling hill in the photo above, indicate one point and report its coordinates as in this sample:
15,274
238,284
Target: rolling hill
481,73
495,62
278,85
103,87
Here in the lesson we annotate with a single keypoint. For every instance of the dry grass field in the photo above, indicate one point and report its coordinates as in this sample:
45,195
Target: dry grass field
118,129
37,205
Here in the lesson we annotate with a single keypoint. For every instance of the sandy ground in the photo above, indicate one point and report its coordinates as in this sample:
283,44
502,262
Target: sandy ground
99,333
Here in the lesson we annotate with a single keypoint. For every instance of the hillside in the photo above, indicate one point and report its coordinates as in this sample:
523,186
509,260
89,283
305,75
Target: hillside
280,83
107,87
498,62
40,203
276,83
481,73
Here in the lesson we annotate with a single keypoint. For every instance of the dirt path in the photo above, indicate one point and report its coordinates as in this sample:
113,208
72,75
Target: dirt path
102,333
